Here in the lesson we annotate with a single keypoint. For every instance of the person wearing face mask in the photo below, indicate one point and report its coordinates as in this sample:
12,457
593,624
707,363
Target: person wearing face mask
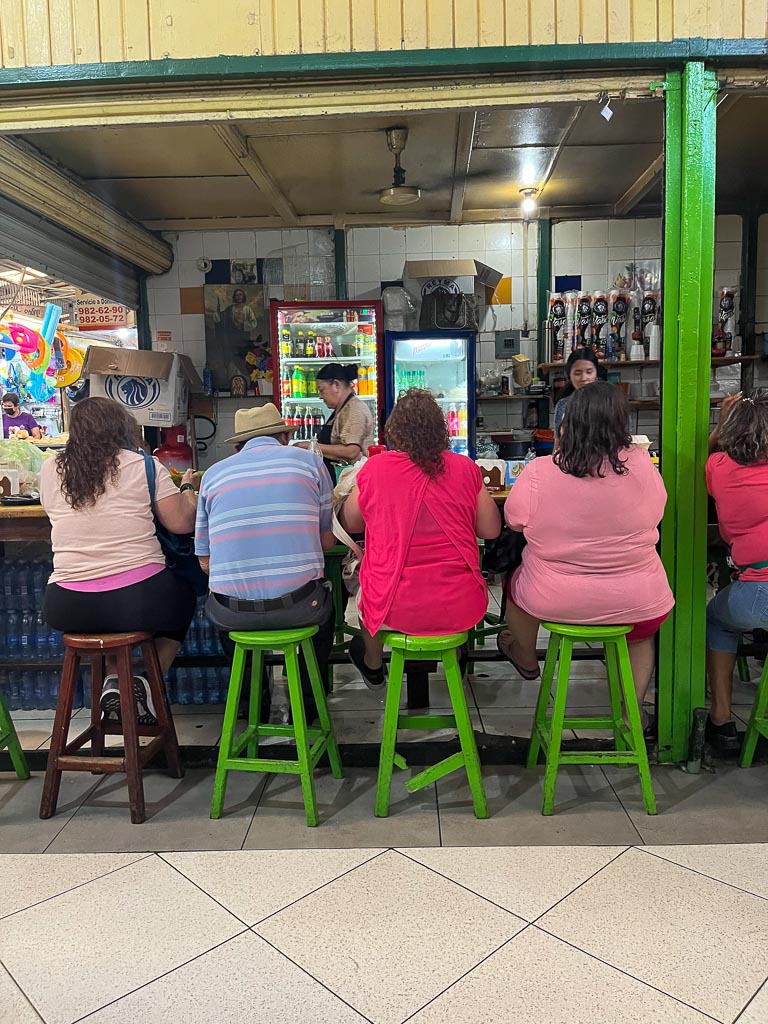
582,368
13,417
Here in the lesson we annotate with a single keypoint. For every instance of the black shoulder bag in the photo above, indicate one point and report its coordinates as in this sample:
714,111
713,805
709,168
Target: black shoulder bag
178,548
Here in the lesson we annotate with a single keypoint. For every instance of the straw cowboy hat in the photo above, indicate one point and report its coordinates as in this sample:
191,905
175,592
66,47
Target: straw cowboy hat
264,421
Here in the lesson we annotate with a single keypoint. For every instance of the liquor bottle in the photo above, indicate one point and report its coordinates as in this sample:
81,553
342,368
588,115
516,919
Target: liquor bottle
299,383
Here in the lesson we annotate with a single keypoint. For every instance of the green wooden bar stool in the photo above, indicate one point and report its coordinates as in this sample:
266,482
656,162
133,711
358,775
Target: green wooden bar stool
428,648
758,723
10,741
322,740
548,729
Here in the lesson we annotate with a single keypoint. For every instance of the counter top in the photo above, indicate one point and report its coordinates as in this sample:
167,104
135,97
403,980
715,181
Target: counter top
22,512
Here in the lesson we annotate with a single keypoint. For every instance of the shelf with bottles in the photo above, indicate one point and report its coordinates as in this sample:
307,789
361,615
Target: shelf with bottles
314,400
324,325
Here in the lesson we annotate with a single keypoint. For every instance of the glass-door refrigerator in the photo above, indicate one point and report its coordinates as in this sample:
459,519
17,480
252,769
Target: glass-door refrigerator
443,362
306,337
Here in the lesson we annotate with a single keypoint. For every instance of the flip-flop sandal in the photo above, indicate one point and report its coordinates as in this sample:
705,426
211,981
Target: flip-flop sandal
526,673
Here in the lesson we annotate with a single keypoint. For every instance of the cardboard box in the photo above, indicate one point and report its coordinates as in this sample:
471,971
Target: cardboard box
153,386
472,276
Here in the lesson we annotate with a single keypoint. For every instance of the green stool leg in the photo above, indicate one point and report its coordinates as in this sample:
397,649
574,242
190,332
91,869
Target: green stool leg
332,747
542,702
757,715
635,725
466,734
10,739
228,730
556,725
389,734
614,689
254,703
743,667
300,732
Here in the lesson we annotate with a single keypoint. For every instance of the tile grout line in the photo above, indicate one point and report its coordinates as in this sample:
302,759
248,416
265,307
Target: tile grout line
79,807
584,881
23,993
140,856
312,977
749,1002
447,878
469,971
621,804
199,887
330,881
702,874
165,974
626,974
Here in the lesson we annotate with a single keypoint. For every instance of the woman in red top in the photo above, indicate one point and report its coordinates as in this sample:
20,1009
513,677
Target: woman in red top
422,508
737,478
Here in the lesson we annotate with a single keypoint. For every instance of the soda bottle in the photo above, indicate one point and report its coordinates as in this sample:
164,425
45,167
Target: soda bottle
309,345
308,424
312,382
453,421
298,346
362,381
462,420
317,422
285,383
207,380
286,349
298,383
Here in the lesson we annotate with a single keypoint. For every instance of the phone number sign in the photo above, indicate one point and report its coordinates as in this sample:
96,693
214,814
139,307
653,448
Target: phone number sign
97,315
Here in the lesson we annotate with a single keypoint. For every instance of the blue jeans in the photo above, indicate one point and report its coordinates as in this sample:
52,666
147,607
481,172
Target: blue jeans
737,608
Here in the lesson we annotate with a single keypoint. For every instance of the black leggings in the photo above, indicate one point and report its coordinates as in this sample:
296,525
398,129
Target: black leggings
163,605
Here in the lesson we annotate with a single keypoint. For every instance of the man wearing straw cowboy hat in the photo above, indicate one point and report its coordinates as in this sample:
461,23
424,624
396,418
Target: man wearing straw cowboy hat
263,522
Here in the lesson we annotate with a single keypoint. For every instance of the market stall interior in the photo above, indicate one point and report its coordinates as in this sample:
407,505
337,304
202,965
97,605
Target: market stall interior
287,244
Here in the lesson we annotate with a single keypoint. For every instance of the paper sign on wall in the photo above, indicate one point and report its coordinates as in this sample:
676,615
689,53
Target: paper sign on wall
100,314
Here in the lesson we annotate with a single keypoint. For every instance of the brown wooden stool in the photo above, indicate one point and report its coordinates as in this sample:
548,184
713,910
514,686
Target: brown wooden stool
63,756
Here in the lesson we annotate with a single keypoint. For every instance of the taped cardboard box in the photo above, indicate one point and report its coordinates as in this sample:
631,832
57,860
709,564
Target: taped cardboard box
471,276
153,386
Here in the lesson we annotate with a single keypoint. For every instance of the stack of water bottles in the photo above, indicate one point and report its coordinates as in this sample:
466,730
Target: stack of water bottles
200,684
26,640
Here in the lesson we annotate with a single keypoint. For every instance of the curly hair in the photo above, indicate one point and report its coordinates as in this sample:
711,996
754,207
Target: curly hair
594,430
744,434
98,430
417,427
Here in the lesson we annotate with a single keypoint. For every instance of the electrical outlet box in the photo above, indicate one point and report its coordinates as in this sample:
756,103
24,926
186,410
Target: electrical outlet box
507,344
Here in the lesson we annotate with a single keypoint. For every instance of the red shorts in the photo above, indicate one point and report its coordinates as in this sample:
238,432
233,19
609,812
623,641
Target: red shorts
643,630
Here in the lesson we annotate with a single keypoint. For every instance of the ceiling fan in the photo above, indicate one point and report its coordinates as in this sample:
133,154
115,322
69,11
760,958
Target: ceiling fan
398,194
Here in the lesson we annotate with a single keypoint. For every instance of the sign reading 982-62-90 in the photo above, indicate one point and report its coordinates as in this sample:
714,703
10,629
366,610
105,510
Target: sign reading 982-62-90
100,315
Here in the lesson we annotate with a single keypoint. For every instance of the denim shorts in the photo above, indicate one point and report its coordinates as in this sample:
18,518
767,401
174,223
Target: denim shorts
738,608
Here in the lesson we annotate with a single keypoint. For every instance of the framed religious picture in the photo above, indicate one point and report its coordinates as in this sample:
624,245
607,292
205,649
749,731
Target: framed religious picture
236,333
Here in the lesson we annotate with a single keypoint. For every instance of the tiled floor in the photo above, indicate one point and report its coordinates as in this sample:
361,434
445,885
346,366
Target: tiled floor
529,934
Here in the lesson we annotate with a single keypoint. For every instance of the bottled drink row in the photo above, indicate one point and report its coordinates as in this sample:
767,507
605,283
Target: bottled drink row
302,382
359,343
307,422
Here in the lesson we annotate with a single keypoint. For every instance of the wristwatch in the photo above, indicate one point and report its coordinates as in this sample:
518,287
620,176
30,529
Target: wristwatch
186,487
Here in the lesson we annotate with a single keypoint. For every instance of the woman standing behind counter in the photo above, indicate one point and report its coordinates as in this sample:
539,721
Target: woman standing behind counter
581,369
348,431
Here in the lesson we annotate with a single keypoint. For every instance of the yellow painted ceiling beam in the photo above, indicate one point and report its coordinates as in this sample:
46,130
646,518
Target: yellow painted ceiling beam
200,104
242,149
26,178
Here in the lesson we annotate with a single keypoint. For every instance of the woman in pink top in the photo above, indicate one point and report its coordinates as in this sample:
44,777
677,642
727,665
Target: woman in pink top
109,573
589,514
422,508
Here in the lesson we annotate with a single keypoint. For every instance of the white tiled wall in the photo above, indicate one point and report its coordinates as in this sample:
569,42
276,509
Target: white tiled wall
307,263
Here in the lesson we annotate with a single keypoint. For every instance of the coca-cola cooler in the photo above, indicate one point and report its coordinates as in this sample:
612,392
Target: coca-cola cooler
308,336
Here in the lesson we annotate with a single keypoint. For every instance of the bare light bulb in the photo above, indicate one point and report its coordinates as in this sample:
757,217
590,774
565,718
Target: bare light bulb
529,206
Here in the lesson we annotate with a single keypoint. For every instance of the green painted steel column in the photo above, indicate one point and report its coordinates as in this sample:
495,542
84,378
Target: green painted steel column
689,240
340,253
544,278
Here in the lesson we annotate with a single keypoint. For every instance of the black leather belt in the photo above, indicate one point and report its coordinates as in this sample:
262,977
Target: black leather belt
286,601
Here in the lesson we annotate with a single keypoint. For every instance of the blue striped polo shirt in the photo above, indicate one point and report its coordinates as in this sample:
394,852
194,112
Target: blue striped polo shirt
259,519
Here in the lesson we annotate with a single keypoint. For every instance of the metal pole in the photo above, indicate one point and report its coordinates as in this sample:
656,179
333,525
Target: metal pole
340,253
544,278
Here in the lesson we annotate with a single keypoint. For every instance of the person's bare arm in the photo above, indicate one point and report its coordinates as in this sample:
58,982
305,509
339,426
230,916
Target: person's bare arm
177,512
488,518
37,433
725,410
205,564
335,452
351,516
327,541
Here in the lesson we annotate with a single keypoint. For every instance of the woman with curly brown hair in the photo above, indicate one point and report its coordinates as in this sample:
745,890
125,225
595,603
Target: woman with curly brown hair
737,478
422,508
109,573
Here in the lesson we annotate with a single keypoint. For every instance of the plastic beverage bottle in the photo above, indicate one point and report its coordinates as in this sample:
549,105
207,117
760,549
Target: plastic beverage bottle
453,421
309,345
207,380
298,383
285,383
198,686
329,348
285,344
308,424
319,348
462,420
312,382
42,652
299,346
27,638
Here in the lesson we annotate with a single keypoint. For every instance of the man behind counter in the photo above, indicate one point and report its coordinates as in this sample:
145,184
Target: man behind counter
13,417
